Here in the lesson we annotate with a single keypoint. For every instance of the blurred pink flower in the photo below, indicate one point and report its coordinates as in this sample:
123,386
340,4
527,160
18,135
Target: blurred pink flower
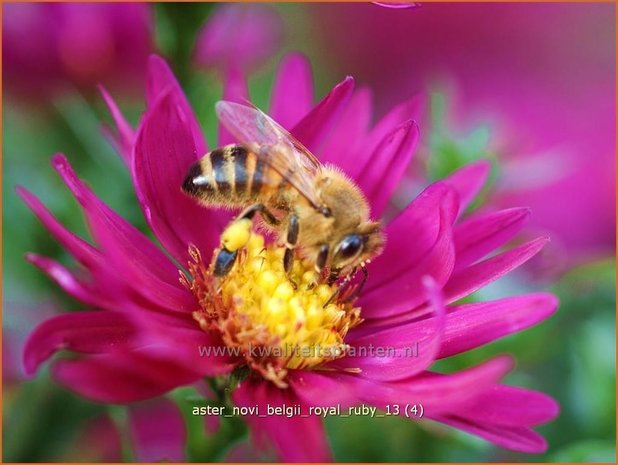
540,76
99,439
156,432
49,48
151,441
143,338
239,36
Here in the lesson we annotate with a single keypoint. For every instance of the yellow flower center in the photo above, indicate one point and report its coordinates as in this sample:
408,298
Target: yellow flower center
276,322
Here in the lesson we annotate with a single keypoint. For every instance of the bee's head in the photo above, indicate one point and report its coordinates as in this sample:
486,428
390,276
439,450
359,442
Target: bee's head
358,246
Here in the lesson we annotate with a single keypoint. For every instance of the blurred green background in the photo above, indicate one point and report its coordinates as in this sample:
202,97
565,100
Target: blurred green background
571,356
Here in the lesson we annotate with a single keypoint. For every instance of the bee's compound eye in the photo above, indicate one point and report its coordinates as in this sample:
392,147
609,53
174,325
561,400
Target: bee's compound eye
349,246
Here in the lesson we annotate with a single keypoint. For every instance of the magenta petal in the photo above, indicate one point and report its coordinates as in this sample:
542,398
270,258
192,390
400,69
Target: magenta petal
315,126
468,181
124,140
296,439
81,250
471,325
345,146
407,110
470,279
184,343
412,234
517,438
292,94
437,392
160,81
121,377
136,258
511,406
321,389
403,290
87,332
234,90
479,235
68,282
403,351
392,156
158,431
164,153
134,275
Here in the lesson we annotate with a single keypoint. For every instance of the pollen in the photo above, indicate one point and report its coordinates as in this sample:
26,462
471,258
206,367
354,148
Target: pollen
237,234
278,322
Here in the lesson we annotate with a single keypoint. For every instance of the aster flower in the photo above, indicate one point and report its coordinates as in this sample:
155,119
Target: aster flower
154,328
51,47
99,439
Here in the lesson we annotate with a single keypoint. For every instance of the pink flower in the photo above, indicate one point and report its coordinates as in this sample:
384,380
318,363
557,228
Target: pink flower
539,77
238,36
51,47
99,439
142,338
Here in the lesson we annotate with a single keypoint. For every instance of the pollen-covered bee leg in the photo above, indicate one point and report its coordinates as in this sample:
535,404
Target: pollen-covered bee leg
224,262
290,242
234,237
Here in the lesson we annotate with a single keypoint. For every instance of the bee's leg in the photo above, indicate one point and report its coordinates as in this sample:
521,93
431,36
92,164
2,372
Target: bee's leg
320,265
290,242
345,286
236,235
333,276
356,290
224,262
250,212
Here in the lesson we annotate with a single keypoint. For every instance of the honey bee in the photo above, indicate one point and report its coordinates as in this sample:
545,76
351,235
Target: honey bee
312,207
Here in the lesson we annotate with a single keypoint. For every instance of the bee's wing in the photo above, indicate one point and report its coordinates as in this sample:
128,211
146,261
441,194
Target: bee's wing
292,160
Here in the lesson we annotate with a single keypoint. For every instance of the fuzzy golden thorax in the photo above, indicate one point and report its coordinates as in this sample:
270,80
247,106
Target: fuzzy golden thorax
349,216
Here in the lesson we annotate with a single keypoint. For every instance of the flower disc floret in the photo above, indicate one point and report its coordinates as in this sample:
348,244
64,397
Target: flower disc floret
276,322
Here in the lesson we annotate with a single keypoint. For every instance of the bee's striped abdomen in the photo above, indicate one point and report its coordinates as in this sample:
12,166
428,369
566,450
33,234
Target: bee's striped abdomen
222,164
257,176
241,156
229,175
